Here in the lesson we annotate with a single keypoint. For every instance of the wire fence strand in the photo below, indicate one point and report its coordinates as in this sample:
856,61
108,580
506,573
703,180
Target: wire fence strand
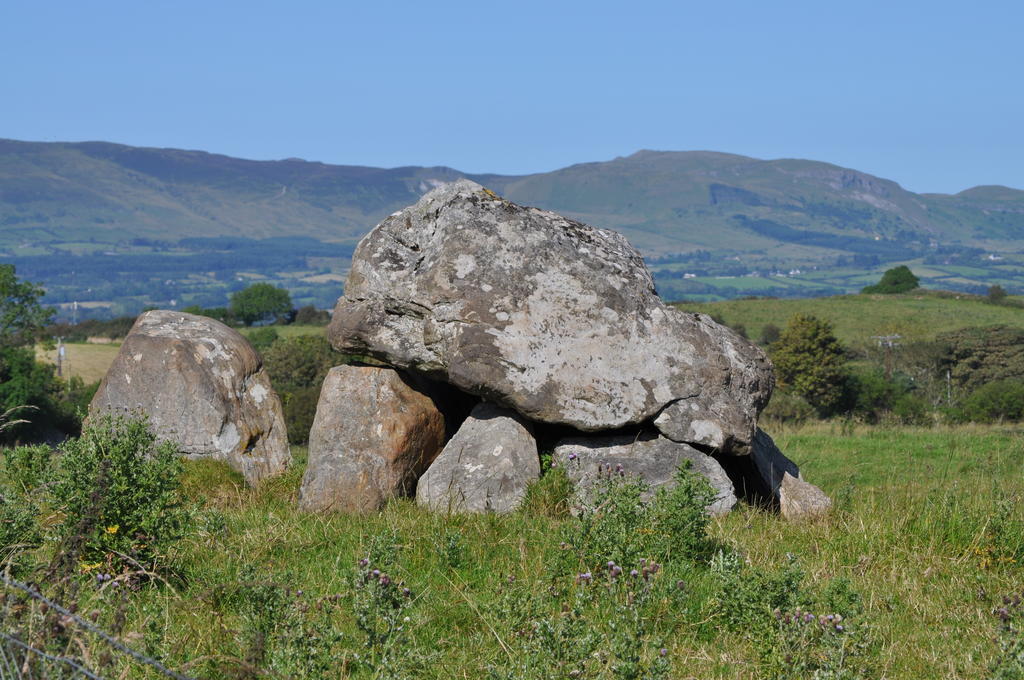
110,640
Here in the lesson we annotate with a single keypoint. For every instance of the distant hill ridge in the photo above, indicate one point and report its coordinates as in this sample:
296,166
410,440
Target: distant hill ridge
664,201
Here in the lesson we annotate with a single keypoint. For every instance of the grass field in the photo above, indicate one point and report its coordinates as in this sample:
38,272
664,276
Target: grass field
90,362
86,361
856,318
927,531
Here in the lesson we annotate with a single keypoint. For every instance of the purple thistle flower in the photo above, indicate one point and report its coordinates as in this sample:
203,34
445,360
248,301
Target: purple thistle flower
616,570
375,573
663,652
385,579
634,573
364,562
572,456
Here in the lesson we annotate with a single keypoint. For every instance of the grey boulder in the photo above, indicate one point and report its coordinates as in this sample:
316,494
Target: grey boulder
373,434
486,466
800,500
203,386
550,317
652,458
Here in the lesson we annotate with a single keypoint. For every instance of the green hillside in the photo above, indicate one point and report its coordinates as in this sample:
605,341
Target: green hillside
856,318
711,225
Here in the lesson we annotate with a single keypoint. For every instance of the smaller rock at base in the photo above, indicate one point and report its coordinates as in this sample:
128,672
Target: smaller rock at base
801,500
652,458
486,466
373,434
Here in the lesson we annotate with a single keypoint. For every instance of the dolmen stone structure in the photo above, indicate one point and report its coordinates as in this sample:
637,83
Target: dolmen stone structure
203,386
555,328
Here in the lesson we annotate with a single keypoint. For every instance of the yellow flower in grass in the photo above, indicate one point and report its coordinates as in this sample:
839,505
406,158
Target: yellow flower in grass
113,529
89,567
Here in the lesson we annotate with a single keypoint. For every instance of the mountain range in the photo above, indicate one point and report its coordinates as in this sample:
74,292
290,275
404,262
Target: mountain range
694,214
663,201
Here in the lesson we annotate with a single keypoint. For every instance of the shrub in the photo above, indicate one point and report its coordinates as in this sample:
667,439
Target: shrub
311,316
26,468
118,492
996,294
996,401
262,338
297,368
769,333
614,524
302,361
786,407
18,524
299,408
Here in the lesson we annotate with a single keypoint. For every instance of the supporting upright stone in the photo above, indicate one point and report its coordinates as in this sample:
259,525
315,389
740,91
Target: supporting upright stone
486,466
373,434
652,458
203,386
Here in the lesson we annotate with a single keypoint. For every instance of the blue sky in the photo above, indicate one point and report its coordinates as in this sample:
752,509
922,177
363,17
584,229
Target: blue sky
925,93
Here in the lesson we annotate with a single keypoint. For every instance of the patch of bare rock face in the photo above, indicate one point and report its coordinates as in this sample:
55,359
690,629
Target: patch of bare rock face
556,326
373,435
203,386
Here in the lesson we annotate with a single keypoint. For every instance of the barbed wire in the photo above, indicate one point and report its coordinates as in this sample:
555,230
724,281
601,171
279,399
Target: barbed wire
113,642
51,657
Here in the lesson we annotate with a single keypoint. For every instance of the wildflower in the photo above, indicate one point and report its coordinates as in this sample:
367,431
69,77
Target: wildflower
572,456
616,570
364,562
113,529
634,573
375,573
662,652
385,580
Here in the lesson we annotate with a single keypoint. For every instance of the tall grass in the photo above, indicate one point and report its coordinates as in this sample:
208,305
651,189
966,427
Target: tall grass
926,539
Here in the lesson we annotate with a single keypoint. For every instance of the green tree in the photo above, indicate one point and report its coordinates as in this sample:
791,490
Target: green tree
21,314
896,280
23,380
810,363
259,302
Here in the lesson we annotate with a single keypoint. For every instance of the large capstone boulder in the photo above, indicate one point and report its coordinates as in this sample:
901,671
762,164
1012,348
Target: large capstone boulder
203,386
550,317
374,433
486,466
654,459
